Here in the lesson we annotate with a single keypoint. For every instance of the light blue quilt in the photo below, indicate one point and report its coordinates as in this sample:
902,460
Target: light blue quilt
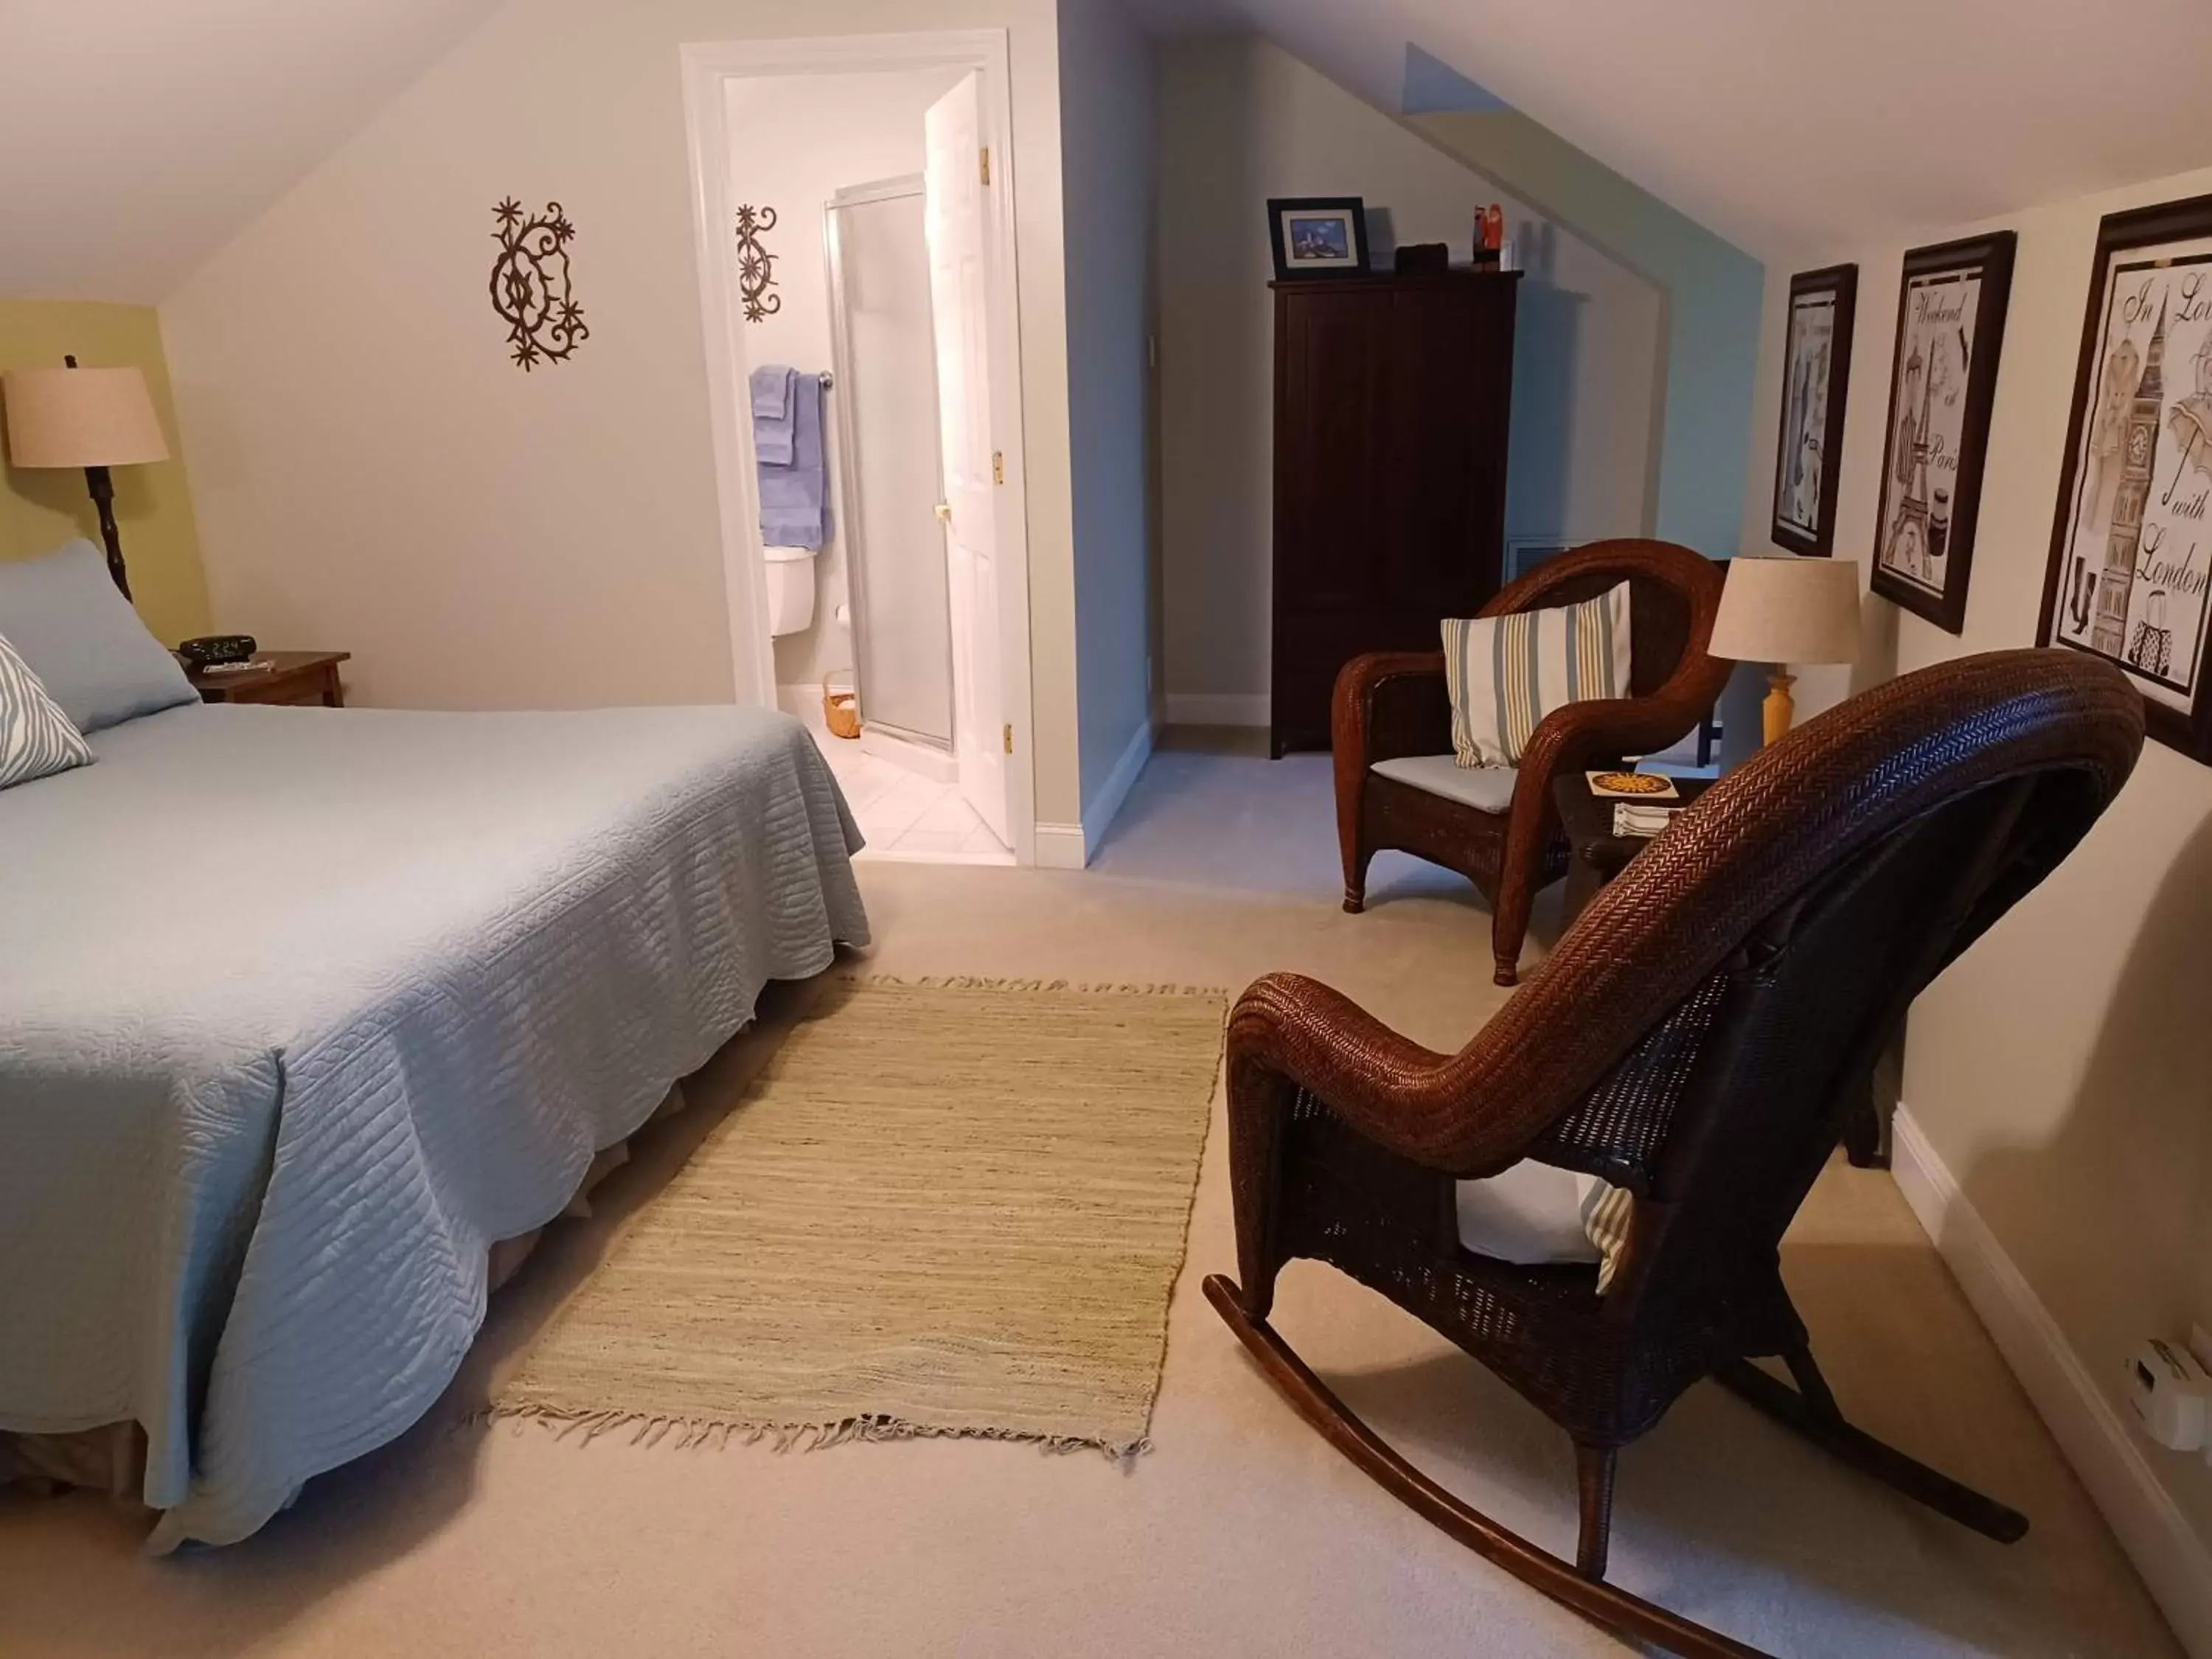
301,1009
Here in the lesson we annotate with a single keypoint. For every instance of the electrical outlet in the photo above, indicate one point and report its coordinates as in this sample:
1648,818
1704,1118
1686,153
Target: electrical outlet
2200,1345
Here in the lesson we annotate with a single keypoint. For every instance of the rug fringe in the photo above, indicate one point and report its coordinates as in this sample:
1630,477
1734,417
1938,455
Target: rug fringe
980,982
650,1428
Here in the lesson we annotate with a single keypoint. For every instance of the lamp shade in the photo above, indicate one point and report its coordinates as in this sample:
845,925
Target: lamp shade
1785,610
82,418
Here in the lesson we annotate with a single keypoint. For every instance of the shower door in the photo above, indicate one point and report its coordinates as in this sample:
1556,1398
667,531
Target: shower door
887,412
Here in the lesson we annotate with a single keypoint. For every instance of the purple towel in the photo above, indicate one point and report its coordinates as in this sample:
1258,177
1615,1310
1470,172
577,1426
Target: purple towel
772,385
792,497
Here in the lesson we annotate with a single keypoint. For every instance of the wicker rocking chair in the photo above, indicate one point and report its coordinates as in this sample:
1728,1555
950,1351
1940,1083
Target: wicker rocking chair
1700,1037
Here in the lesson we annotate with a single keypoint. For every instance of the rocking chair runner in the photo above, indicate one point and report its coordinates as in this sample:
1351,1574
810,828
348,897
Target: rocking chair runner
1700,1037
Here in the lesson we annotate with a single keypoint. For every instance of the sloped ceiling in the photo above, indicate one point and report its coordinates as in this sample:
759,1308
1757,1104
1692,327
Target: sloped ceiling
1791,125
136,137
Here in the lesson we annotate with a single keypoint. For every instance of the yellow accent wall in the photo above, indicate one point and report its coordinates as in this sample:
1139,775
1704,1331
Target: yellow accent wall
41,509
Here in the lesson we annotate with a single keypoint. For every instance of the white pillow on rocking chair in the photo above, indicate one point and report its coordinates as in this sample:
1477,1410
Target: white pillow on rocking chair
1532,1213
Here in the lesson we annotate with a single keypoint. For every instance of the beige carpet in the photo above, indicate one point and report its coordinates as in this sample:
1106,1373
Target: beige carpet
951,1208
1242,1532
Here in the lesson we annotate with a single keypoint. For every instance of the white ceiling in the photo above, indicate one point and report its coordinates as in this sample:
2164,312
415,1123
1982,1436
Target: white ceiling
137,136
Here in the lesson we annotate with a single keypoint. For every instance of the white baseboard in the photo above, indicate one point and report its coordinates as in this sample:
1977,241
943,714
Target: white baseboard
1060,845
1069,846
2107,1451
1103,808
1212,708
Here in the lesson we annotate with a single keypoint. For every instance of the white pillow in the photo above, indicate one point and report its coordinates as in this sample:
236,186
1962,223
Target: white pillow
1526,1214
1506,673
1532,1213
36,738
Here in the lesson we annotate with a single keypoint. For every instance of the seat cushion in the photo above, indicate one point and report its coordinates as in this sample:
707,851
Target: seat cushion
1506,673
1486,788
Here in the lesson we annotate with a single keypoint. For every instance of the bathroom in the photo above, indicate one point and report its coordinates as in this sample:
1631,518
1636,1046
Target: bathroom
860,218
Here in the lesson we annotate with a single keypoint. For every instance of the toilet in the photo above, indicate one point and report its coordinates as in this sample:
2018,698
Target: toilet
790,589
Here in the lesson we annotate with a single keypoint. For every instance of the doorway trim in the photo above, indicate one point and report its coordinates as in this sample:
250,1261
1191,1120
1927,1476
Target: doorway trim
710,66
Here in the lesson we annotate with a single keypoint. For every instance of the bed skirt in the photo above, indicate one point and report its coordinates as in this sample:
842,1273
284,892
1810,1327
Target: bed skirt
112,1458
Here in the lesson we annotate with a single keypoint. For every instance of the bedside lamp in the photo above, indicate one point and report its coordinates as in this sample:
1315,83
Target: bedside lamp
1783,610
94,418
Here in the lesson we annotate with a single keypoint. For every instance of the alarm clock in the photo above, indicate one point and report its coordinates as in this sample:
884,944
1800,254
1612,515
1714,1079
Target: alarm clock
214,650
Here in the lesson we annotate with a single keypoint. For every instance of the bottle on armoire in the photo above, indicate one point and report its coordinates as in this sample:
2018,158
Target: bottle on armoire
1392,396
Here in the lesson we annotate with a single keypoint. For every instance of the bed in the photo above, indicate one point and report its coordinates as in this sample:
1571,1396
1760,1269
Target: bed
302,1010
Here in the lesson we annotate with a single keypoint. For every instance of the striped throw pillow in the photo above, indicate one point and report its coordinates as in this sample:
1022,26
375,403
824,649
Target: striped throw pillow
1604,1210
1506,673
36,738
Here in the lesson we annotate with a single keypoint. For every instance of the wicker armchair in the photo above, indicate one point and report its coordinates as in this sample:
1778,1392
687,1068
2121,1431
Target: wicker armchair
1699,1038
1392,704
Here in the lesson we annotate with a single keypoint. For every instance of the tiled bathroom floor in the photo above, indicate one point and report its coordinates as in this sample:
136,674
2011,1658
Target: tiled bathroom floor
907,817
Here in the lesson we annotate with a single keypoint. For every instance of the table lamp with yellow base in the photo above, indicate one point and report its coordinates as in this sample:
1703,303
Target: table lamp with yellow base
1782,609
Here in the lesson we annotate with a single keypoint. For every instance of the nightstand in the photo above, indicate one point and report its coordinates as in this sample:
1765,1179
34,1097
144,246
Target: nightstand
1596,854
310,677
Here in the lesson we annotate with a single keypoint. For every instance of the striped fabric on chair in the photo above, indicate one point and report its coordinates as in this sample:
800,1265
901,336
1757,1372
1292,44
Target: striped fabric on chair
1506,673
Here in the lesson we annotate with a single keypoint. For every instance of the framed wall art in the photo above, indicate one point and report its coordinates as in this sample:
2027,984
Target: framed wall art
1816,358
1951,308
2131,546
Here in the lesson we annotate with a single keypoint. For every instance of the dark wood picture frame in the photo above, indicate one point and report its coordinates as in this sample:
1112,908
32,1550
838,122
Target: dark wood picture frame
1913,522
2143,257
1802,408
1289,268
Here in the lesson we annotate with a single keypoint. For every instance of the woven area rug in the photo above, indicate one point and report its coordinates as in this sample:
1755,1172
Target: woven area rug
945,1208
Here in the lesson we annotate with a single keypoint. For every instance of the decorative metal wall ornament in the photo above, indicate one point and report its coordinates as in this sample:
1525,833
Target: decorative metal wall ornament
756,264
529,284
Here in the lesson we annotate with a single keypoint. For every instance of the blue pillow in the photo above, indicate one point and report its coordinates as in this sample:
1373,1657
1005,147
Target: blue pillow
82,639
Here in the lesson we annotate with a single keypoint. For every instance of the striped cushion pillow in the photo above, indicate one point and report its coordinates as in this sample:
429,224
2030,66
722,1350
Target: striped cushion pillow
36,738
1606,1209
1506,673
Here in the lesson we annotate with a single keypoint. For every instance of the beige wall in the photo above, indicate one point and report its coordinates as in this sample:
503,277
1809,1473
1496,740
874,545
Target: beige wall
2062,1069
1242,120
41,509
374,474
1711,289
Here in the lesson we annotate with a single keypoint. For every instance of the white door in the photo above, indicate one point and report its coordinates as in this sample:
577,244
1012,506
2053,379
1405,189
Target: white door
959,227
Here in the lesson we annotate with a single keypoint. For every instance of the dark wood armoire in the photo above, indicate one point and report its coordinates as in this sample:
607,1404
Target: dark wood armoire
1391,401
